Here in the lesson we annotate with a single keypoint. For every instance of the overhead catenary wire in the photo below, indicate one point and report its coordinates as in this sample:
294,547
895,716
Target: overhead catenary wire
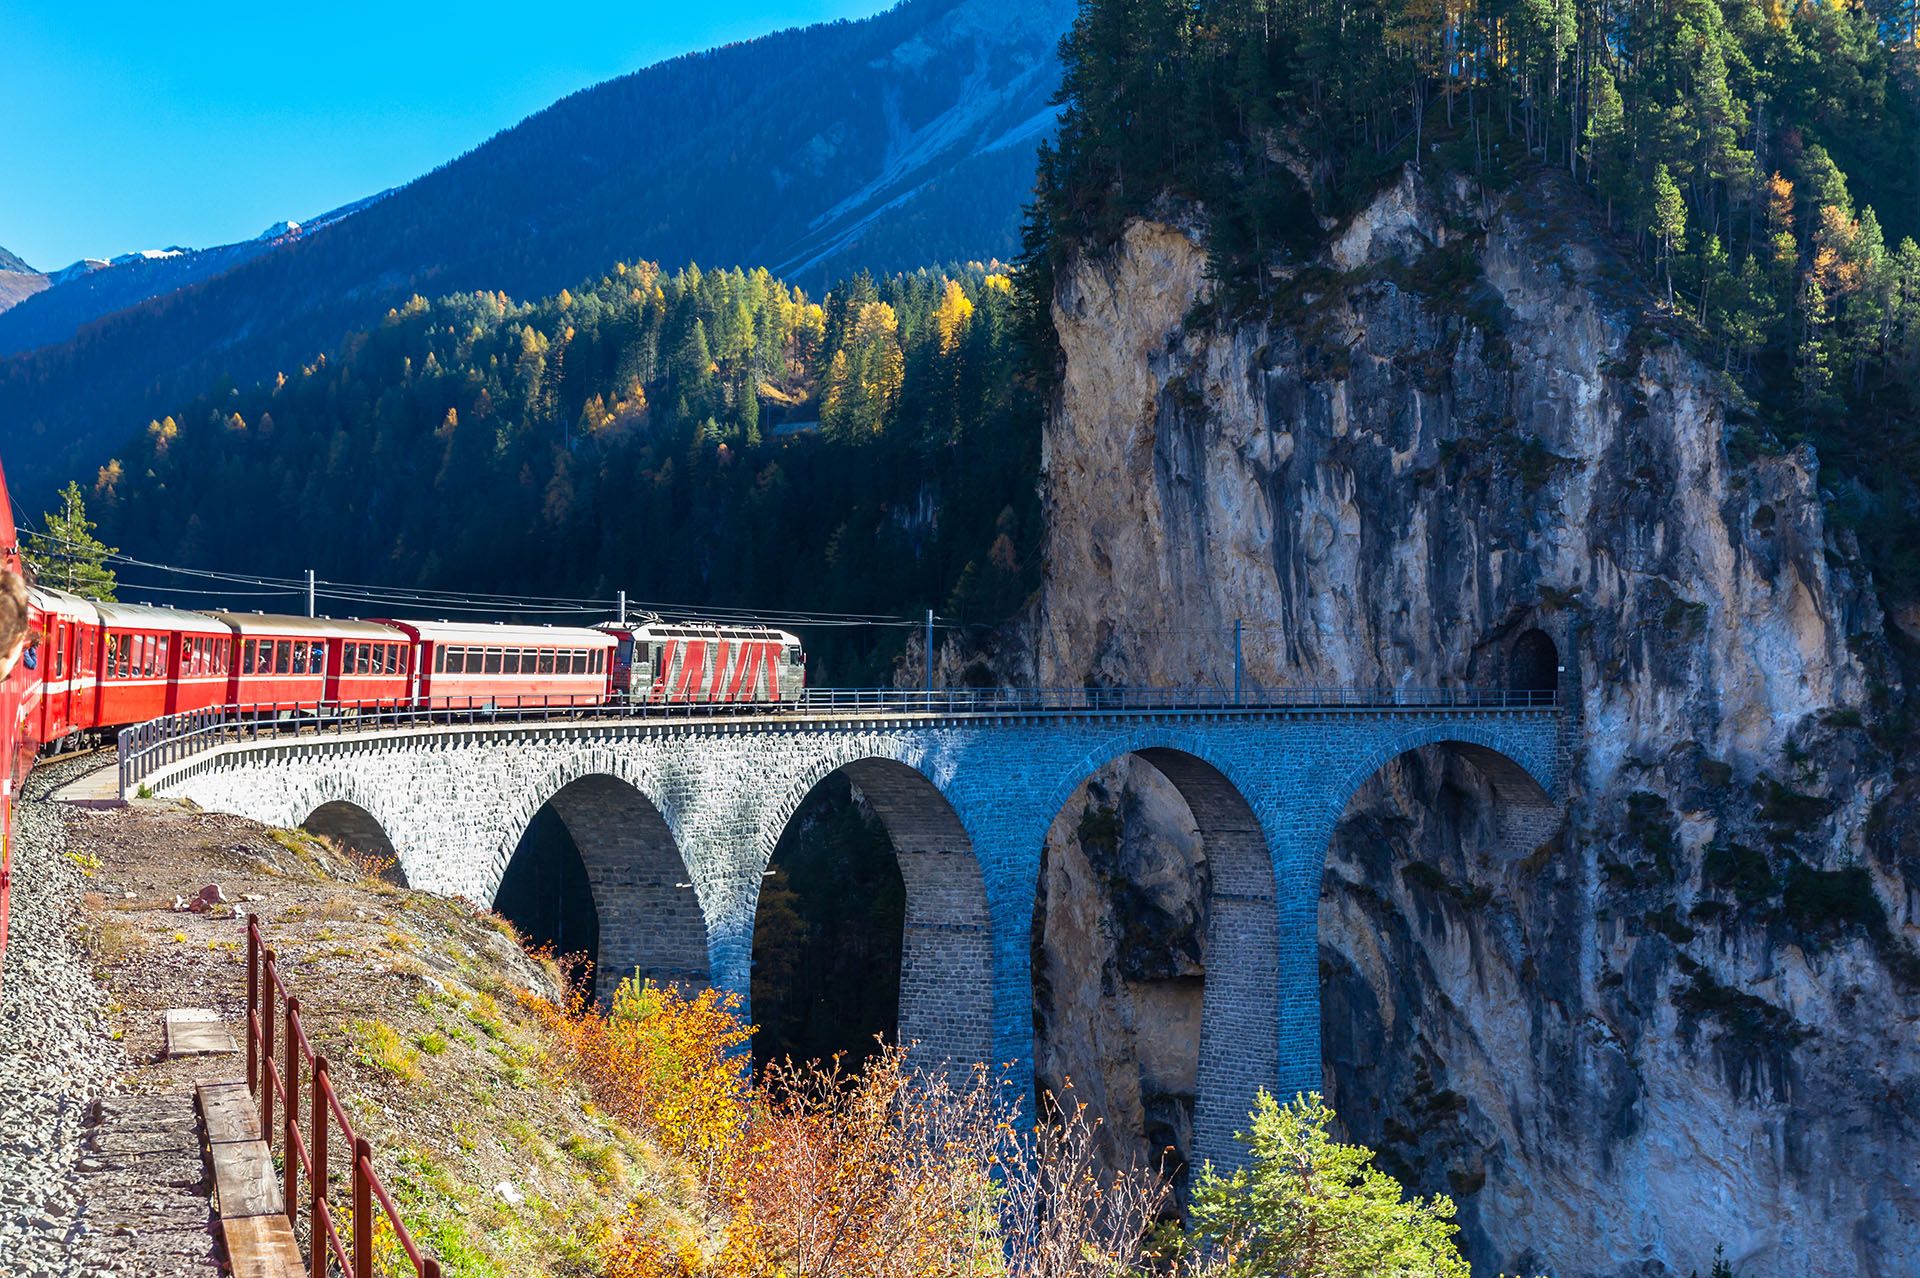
395,598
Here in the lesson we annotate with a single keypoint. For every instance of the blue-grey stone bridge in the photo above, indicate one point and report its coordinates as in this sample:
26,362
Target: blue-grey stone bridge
676,820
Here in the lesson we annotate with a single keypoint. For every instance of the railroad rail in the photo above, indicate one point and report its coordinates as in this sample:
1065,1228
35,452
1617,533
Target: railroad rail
147,747
307,1153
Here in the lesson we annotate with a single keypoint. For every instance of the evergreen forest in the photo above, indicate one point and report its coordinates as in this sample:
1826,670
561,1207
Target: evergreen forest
700,438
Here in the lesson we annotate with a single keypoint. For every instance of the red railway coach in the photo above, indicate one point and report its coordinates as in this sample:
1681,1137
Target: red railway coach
279,661
661,662
469,664
368,665
62,657
157,661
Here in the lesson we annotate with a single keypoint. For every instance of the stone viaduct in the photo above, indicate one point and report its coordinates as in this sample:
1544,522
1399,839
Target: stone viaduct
676,821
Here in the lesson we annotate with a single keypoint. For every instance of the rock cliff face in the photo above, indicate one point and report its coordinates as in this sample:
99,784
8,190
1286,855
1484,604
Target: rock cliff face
1462,448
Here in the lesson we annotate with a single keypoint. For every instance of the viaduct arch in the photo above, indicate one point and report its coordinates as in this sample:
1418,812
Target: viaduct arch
677,822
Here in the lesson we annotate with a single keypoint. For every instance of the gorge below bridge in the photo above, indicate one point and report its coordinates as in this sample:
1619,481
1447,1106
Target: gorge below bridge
676,819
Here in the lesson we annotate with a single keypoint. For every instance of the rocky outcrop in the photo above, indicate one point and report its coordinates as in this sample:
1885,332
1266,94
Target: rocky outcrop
1465,448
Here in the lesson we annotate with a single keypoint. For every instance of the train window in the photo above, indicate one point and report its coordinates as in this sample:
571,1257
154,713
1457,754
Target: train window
599,661
510,661
793,655
396,661
283,657
623,655
493,661
246,656
317,660
440,660
299,658
546,661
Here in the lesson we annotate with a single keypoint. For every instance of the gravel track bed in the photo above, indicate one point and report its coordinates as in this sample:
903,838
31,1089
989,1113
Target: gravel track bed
57,1056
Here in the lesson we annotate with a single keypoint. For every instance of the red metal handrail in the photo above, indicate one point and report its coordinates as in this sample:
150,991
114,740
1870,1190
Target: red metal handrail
305,1153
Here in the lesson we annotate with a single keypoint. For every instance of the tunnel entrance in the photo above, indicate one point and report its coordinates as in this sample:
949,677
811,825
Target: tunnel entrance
827,936
1535,664
545,893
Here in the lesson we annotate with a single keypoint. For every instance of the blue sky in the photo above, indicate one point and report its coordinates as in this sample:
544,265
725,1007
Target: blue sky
139,125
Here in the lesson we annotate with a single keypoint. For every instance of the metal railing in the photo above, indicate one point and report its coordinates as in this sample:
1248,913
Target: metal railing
306,1153
147,747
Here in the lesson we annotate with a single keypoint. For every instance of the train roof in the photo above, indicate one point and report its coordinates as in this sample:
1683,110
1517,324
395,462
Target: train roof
60,603
487,633
697,630
283,624
130,616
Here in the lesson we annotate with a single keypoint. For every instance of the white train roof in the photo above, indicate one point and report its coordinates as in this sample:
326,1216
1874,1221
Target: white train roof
696,630
283,625
62,604
471,632
128,616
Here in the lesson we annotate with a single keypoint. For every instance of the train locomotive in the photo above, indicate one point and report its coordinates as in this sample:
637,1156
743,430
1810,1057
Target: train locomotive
92,668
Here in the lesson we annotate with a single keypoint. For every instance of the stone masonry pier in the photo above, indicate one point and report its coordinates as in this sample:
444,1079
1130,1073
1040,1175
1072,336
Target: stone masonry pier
676,822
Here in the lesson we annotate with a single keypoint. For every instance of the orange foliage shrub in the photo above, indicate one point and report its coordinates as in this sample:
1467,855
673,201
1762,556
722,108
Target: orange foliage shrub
668,1065
891,1172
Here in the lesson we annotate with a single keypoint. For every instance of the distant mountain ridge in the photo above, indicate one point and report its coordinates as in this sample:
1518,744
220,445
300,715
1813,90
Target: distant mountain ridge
92,287
11,262
899,140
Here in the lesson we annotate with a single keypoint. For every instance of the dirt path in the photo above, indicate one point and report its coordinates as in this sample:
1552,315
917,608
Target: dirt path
83,1189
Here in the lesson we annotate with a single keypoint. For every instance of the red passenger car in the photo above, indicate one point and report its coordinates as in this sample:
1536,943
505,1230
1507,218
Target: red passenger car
280,662
62,656
142,651
462,664
369,666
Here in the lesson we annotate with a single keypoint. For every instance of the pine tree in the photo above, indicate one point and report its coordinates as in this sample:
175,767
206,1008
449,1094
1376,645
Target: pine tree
1669,221
1309,1206
65,554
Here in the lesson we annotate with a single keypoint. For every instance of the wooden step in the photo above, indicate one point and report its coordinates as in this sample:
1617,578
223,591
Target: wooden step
246,1185
262,1247
228,1112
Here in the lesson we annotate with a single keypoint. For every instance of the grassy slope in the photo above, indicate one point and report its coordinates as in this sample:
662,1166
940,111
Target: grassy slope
417,1003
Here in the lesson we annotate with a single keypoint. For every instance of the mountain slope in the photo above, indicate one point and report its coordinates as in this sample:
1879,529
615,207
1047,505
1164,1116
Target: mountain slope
901,139
18,281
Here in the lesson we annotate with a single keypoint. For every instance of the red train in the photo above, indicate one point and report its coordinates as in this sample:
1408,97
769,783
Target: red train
91,668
